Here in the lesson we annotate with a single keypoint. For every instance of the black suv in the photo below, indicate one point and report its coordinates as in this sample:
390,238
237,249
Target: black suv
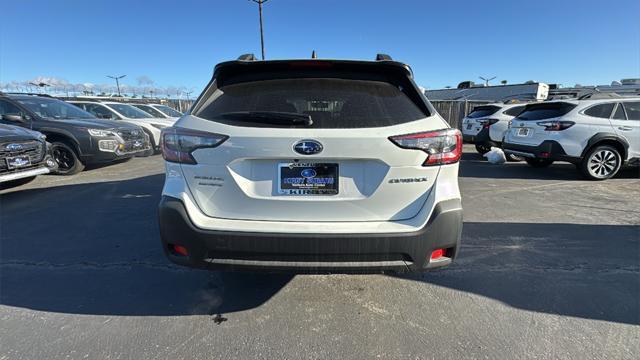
23,156
77,138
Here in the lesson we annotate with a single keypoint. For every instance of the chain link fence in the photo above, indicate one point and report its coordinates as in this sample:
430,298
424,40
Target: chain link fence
453,111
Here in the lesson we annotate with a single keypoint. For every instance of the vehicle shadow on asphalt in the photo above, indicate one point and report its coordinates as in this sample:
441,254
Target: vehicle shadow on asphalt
475,166
94,248
585,271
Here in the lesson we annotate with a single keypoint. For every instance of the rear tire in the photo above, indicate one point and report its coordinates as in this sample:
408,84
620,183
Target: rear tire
483,148
601,163
66,158
538,162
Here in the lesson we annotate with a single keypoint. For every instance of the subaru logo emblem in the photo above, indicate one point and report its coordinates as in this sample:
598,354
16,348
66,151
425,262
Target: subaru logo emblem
308,173
307,147
14,147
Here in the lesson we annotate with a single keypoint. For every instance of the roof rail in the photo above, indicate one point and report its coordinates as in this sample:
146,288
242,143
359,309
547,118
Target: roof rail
383,57
247,57
598,95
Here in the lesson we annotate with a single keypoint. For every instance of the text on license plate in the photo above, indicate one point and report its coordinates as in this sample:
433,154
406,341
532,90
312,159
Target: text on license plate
523,132
18,161
308,178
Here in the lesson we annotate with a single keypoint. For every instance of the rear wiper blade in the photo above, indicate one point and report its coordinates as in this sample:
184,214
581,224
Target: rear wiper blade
270,117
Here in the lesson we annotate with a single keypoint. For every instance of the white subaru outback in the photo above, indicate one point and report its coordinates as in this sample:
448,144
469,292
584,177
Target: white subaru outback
599,136
311,166
486,125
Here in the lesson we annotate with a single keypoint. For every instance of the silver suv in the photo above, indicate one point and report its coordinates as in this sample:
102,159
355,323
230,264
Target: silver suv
599,136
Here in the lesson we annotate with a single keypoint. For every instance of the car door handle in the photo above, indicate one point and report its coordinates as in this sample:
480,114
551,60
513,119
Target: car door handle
625,128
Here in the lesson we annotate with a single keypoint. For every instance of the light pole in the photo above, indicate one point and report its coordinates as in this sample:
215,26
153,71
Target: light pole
41,85
486,80
260,2
117,79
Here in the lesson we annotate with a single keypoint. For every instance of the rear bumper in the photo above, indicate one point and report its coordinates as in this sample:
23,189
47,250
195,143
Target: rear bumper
548,149
311,253
481,137
21,174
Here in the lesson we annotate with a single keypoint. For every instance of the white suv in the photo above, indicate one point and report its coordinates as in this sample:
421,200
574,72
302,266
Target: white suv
311,166
120,111
486,125
599,136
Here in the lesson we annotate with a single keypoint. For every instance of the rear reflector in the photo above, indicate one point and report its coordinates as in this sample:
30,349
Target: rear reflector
436,254
441,146
180,250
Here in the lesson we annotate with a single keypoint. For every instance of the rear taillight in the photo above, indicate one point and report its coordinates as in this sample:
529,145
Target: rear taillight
487,122
555,125
177,143
441,146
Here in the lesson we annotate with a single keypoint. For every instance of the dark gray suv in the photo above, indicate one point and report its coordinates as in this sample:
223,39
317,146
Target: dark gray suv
77,138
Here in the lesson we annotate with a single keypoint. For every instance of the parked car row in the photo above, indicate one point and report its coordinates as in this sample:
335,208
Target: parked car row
486,126
41,134
599,135
128,113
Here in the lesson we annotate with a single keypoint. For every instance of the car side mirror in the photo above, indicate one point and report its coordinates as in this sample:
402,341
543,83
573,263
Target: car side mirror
14,118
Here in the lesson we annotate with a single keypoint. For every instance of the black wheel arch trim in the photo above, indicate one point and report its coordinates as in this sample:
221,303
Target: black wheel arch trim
64,134
605,136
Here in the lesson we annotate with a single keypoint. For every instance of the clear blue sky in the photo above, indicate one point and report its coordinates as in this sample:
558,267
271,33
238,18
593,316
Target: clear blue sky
177,43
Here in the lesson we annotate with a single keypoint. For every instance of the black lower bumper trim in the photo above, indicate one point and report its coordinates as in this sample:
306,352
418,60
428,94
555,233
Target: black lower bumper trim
311,253
552,149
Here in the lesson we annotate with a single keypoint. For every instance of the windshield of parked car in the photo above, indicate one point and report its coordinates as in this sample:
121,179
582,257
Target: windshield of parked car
482,111
129,111
54,109
168,110
331,103
150,110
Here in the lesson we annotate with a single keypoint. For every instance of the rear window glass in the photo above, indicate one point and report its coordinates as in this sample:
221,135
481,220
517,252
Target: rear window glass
600,111
331,103
545,111
514,111
633,109
482,111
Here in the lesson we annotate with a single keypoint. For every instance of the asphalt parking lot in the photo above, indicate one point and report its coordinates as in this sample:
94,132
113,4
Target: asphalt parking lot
550,268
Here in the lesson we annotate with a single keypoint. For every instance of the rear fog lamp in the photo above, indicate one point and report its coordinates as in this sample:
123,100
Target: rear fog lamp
179,249
437,254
